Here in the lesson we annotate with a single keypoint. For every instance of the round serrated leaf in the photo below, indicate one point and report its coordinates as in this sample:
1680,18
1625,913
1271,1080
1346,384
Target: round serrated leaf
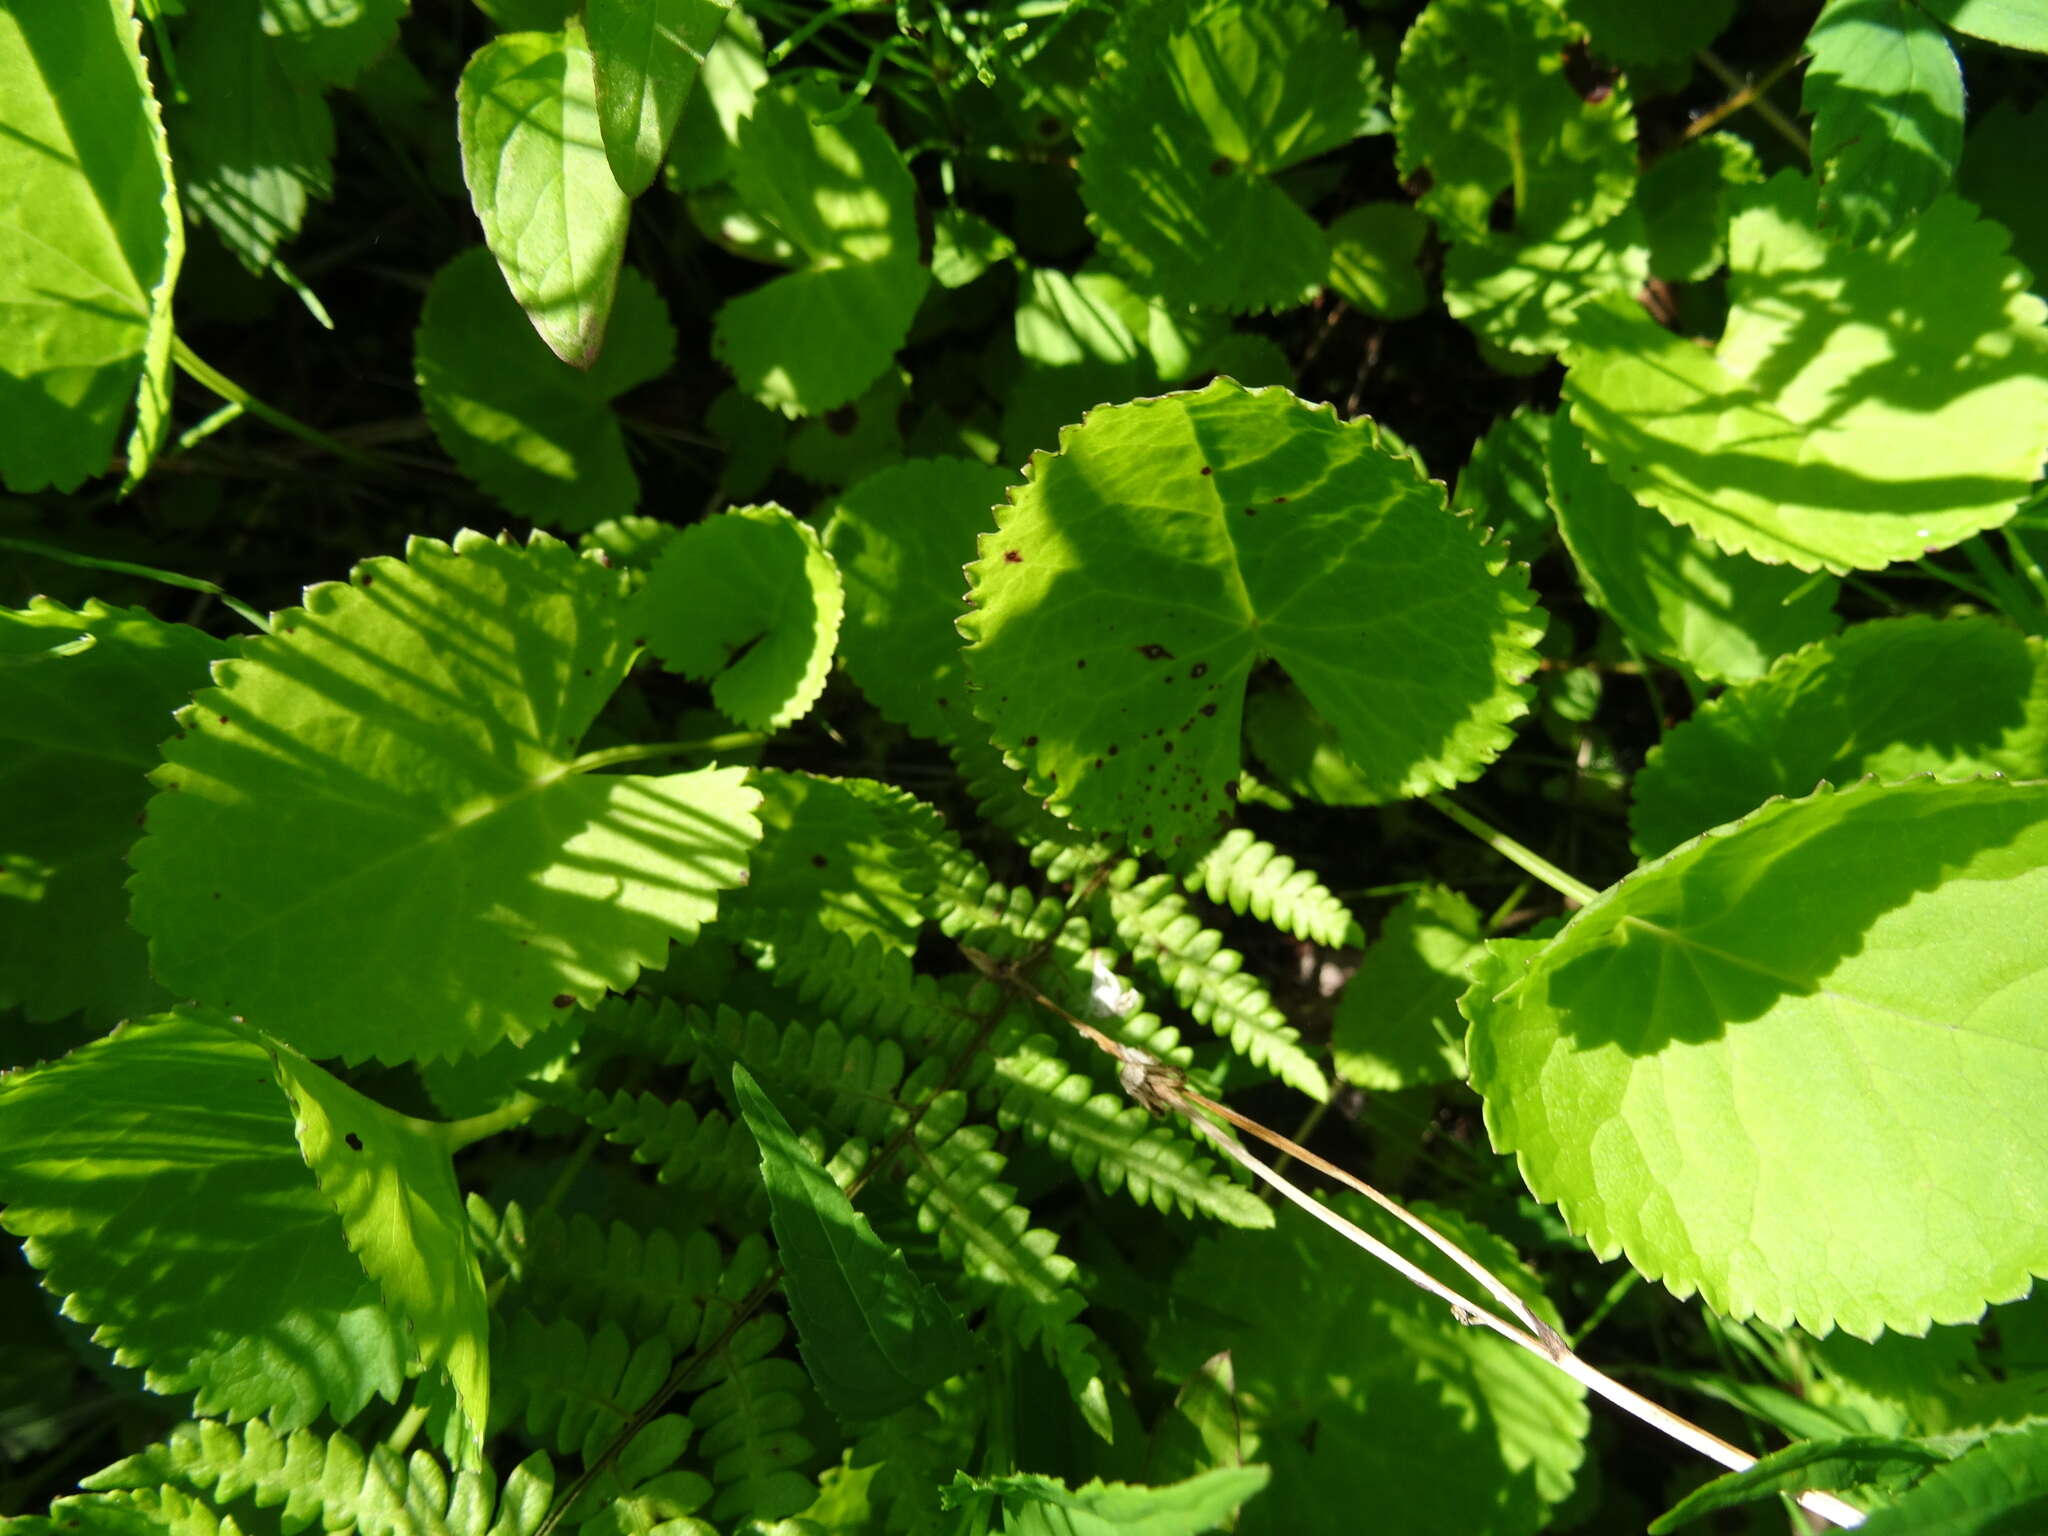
372,837
1822,432
903,538
750,600
1894,697
1180,146
538,435
78,736
1795,1065
1171,545
1482,107
155,1177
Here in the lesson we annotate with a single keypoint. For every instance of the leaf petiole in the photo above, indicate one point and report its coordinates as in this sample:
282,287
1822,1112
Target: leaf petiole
1527,859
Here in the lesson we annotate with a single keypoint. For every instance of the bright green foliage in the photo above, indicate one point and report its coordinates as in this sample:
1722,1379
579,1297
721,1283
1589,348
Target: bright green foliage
1722,617
874,1336
155,1177
1373,253
1684,203
832,852
1035,1505
552,212
751,601
451,881
1488,1439
537,434
1180,146
1522,293
731,76
390,1179
1998,1489
2015,23
645,56
1655,1065
1285,525
816,337
1815,433
1857,1462
1397,1023
901,539
1886,95
1630,32
78,736
1482,107
1860,703
90,243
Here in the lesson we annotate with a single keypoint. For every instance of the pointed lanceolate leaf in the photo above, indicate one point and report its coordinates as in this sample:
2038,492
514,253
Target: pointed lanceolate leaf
155,1178
1036,1505
1894,698
538,435
903,538
370,835
875,1337
1886,96
1171,545
1719,616
1858,1461
1998,1489
78,736
390,1179
1820,432
750,600
647,53
552,212
90,241
1873,960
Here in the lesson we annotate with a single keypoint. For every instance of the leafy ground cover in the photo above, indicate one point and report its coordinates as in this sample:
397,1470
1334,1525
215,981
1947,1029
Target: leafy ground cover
870,768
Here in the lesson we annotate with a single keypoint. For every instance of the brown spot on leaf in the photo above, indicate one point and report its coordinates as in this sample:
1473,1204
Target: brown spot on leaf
1199,669
1013,557
564,1000
1208,469
819,860
1208,709
355,1142
840,423
1154,652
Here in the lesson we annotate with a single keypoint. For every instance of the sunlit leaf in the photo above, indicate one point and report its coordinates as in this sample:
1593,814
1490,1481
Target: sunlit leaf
1522,294
646,55
1998,1489
1397,1021
1856,1462
1036,1505
1374,249
2015,23
1684,201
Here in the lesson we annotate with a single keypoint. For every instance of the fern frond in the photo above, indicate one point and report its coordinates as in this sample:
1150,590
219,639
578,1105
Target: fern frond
749,1422
569,1389
144,1512
854,1081
708,1153
333,1483
1248,874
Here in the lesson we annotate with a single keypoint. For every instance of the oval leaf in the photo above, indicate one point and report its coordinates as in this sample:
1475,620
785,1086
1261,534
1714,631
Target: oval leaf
646,54
1257,527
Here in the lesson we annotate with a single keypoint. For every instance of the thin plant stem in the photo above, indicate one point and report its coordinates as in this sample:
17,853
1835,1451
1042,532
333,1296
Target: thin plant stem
1707,122
202,372
516,1110
1526,859
1782,125
147,572
2024,562
634,752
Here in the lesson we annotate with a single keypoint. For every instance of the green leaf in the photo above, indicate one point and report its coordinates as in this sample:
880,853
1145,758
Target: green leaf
1858,1461
156,1181
852,441
90,243
1719,616
1657,1068
1631,32
1256,527
552,212
330,42
390,1179
1505,484
1037,1505
78,736
750,600
965,245
1894,698
1482,107
646,53
538,435
1522,294
372,835
1374,250
701,151
875,1337
1397,1023
1684,201
1818,433
1998,1489
831,855
2005,179
1303,751
1180,147
902,539
1363,1392
253,142
827,177
1886,96
2015,23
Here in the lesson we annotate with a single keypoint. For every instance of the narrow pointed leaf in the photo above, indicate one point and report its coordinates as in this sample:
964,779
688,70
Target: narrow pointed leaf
646,53
1998,1489
1861,1461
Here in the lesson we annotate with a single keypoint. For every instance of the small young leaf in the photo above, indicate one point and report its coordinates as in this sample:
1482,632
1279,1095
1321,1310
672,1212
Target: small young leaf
1886,96
1893,697
552,212
1036,1505
750,600
1397,1022
1259,527
1719,616
85,280
1505,484
1818,433
874,1336
1374,249
369,835
154,1176
1657,1066
1858,1461
646,53
1998,1489
902,539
